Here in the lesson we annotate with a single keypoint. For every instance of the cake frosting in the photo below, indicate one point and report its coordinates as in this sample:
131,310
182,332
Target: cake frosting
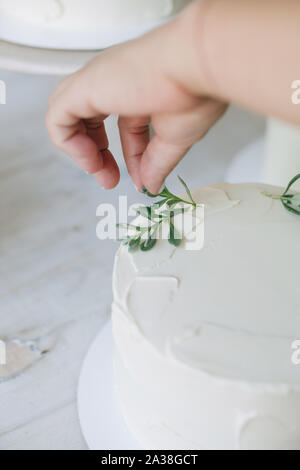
204,338
81,24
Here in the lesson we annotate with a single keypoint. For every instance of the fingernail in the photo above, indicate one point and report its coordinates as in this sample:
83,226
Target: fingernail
144,189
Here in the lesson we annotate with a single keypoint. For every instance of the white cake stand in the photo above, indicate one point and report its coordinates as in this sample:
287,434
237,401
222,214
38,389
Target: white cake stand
56,60
34,60
101,422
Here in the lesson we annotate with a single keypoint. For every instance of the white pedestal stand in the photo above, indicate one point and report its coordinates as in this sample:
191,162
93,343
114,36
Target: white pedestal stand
101,422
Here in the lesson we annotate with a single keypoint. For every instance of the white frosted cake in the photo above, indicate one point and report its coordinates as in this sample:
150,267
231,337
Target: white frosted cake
204,339
77,24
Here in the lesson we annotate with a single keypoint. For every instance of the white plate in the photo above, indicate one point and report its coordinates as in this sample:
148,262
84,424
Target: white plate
101,422
34,50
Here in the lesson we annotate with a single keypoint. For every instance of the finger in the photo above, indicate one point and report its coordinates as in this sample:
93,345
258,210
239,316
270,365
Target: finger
158,160
60,88
70,134
135,136
95,129
84,152
176,133
64,122
75,126
109,176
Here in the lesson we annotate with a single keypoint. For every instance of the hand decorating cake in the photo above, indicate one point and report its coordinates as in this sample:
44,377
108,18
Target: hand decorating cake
205,339
77,24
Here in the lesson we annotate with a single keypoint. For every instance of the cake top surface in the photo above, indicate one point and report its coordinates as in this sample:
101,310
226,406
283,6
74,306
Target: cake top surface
232,308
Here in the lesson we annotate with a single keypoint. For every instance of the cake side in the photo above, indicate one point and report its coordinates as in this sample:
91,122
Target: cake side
204,338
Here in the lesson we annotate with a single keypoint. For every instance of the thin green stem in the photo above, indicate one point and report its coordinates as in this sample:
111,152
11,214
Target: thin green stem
290,201
272,196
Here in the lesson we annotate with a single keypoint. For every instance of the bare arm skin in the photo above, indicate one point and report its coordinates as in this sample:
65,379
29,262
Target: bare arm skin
250,49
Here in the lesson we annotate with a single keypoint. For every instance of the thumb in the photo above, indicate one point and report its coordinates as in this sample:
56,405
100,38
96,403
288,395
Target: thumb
175,135
158,160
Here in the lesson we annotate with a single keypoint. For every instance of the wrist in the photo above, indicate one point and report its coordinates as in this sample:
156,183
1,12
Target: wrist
191,61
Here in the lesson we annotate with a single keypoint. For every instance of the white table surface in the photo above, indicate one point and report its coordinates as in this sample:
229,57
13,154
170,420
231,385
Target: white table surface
55,276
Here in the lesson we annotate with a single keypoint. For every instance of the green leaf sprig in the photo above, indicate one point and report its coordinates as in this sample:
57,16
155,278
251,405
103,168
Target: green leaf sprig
290,201
145,238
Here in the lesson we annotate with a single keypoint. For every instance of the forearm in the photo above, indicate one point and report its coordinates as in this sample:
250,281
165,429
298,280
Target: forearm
245,52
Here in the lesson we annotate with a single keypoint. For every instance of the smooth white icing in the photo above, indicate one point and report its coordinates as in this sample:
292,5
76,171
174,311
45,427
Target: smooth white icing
205,337
150,297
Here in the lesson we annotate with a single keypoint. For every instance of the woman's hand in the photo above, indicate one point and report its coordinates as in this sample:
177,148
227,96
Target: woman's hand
143,81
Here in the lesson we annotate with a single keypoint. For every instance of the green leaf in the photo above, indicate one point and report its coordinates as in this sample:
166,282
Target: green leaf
186,189
145,211
157,217
290,208
126,226
134,244
293,181
165,192
148,244
136,238
291,202
174,212
174,236
295,200
160,203
154,229
172,202
123,240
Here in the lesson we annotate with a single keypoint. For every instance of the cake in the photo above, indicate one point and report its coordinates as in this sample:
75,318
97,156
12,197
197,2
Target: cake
282,152
76,24
204,340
